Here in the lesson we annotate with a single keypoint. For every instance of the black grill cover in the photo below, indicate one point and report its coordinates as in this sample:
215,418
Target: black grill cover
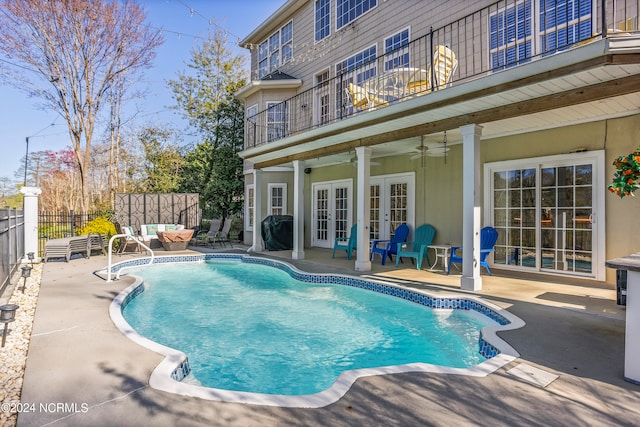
277,232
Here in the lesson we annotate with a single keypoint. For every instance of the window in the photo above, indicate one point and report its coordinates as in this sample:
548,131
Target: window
277,50
511,35
286,43
367,56
249,200
263,59
348,11
277,199
322,106
360,58
323,19
252,126
276,120
399,57
564,22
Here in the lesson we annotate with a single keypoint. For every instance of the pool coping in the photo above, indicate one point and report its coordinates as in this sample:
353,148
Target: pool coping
167,375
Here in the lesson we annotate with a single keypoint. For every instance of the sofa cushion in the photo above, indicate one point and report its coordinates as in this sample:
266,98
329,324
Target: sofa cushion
152,229
170,227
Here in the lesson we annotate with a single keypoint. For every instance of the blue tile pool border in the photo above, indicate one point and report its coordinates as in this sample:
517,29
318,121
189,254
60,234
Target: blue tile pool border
495,350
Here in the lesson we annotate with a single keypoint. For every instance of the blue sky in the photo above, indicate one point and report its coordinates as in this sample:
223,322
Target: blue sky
184,22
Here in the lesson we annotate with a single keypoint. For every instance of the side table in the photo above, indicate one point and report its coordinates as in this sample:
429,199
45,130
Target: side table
441,251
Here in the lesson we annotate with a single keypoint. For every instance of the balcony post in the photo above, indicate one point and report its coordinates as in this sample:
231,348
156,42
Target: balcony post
298,210
363,208
257,246
471,280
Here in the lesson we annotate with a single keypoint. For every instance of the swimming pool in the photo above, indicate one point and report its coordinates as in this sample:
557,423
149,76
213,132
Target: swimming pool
244,317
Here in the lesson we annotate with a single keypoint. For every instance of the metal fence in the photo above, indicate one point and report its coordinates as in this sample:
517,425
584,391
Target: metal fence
11,244
54,225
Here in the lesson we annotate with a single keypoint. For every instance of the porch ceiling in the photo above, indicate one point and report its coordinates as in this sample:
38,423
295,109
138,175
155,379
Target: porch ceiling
589,83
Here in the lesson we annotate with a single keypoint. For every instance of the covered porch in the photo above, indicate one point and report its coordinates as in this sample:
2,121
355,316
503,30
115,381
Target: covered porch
590,83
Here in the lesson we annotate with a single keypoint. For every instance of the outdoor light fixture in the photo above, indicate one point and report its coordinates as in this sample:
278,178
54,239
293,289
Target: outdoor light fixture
26,272
31,256
7,315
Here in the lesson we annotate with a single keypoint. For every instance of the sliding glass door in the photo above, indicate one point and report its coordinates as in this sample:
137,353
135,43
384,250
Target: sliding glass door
545,212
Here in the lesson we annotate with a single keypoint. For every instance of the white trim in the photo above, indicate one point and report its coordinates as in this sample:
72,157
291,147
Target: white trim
397,178
384,44
271,186
249,210
267,41
348,183
598,246
374,45
318,93
354,19
315,23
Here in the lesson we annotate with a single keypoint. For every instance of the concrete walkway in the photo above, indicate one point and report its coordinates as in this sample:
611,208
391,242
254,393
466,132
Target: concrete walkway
84,372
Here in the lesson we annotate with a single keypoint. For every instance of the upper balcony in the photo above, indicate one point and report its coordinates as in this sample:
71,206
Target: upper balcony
496,39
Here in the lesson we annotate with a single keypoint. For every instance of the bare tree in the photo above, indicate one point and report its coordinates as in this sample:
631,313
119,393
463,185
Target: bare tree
77,49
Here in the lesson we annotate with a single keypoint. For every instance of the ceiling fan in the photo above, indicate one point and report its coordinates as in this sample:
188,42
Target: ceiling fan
431,149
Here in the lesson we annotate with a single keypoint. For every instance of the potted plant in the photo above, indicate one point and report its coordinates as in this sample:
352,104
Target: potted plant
626,179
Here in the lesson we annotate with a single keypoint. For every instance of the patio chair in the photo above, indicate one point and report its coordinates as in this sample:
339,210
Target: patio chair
222,236
390,246
127,240
205,237
444,66
417,249
364,99
347,244
488,238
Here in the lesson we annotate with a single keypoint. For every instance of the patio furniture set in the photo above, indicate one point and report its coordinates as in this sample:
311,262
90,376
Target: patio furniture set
403,82
418,248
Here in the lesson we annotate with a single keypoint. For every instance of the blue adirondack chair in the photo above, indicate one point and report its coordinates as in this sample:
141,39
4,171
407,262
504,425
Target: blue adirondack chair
348,244
417,249
488,238
389,247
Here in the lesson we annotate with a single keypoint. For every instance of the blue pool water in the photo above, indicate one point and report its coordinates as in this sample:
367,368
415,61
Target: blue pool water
248,327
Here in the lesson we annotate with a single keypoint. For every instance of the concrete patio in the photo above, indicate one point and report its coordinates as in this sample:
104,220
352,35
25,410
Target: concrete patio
86,372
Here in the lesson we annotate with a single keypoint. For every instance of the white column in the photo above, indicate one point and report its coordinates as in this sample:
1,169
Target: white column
363,208
298,210
30,221
258,245
632,329
471,280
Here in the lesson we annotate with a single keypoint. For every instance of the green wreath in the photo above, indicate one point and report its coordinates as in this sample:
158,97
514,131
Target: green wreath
627,175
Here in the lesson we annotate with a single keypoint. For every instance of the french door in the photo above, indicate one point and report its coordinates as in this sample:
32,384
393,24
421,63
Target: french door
549,214
332,212
392,201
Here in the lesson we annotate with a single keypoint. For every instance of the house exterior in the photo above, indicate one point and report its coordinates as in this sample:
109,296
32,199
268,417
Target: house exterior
459,114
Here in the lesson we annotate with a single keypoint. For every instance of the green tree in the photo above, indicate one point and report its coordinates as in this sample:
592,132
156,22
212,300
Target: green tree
206,98
162,161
